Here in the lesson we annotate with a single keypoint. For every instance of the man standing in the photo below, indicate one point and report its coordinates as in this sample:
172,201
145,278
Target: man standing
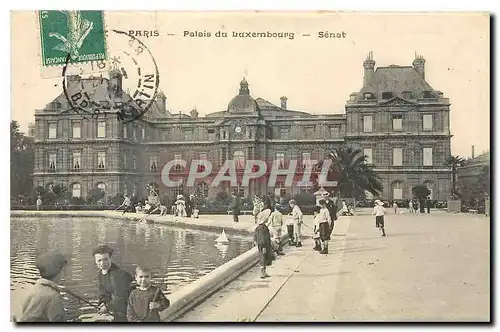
276,223
235,207
127,205
114,284
331,205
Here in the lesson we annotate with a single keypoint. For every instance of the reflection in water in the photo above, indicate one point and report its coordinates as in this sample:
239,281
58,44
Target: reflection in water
176,256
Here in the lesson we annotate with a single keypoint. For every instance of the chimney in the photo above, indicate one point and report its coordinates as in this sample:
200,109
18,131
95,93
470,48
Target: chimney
161,101
115,82
473,151
369,66
419,65
283,102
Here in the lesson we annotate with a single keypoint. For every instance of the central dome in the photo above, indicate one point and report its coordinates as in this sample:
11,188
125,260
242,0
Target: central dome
243,102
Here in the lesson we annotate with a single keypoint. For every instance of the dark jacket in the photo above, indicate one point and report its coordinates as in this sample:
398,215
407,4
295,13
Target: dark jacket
262,238
235,205
114,288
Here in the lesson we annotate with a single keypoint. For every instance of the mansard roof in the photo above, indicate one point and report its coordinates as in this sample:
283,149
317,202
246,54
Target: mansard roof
397,79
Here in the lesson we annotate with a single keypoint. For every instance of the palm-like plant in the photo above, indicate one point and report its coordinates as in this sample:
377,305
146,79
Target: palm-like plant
454,162
354,177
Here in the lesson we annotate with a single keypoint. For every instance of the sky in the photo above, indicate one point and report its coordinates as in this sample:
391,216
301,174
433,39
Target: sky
316,74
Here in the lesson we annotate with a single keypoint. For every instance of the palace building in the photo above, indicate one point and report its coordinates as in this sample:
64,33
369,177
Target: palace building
397,118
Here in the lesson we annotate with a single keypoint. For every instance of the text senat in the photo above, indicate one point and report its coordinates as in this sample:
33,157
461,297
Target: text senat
332,35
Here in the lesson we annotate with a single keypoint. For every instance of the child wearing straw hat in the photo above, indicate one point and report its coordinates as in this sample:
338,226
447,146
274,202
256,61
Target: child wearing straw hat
379,212
43,302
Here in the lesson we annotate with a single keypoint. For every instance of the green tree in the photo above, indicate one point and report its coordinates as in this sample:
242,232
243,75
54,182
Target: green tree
199,197
95,195
354,177
454,162
421,192
21,161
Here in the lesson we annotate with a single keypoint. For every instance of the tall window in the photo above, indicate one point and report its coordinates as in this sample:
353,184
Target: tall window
134,162
53,130
101,160
284,133
178,191
52,162
125,157
188,134
397,122
204,187
202,156
427,119
427,157
397,190
77,129
334,131
397,157
239,159
306,160
309,132
153,163
76,190
125,131
101,129
178,158
430,186
280,189
143,133
77,160
367,124
280,160
369,155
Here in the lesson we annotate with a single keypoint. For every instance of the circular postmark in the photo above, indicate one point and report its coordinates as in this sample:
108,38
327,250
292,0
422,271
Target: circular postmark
130,88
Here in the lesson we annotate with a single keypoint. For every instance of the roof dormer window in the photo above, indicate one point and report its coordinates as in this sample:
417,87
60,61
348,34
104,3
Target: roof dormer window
386,95
368,95
406,94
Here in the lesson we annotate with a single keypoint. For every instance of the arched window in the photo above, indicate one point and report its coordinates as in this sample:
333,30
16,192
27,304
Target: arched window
397,190
430,186
76,190
204,187
239,159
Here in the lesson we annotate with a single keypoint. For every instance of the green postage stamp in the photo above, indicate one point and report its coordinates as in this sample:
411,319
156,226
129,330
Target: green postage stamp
78,33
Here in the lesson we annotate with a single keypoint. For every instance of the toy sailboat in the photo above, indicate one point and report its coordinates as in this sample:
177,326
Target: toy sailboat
222,238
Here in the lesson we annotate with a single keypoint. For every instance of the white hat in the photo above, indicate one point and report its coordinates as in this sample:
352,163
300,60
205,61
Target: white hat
263,216
380,203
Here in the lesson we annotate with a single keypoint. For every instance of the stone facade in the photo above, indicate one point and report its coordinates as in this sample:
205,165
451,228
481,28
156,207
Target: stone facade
122,158
405,125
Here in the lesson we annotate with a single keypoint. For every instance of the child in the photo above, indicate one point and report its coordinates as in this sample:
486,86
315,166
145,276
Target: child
297,221
146,301
395,207
322,225
262,239
379,213
410,206
43,302
276,223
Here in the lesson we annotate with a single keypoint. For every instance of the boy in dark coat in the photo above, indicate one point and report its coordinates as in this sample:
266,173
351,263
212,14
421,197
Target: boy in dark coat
43,302
235,207
114,284
262,239
146,301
